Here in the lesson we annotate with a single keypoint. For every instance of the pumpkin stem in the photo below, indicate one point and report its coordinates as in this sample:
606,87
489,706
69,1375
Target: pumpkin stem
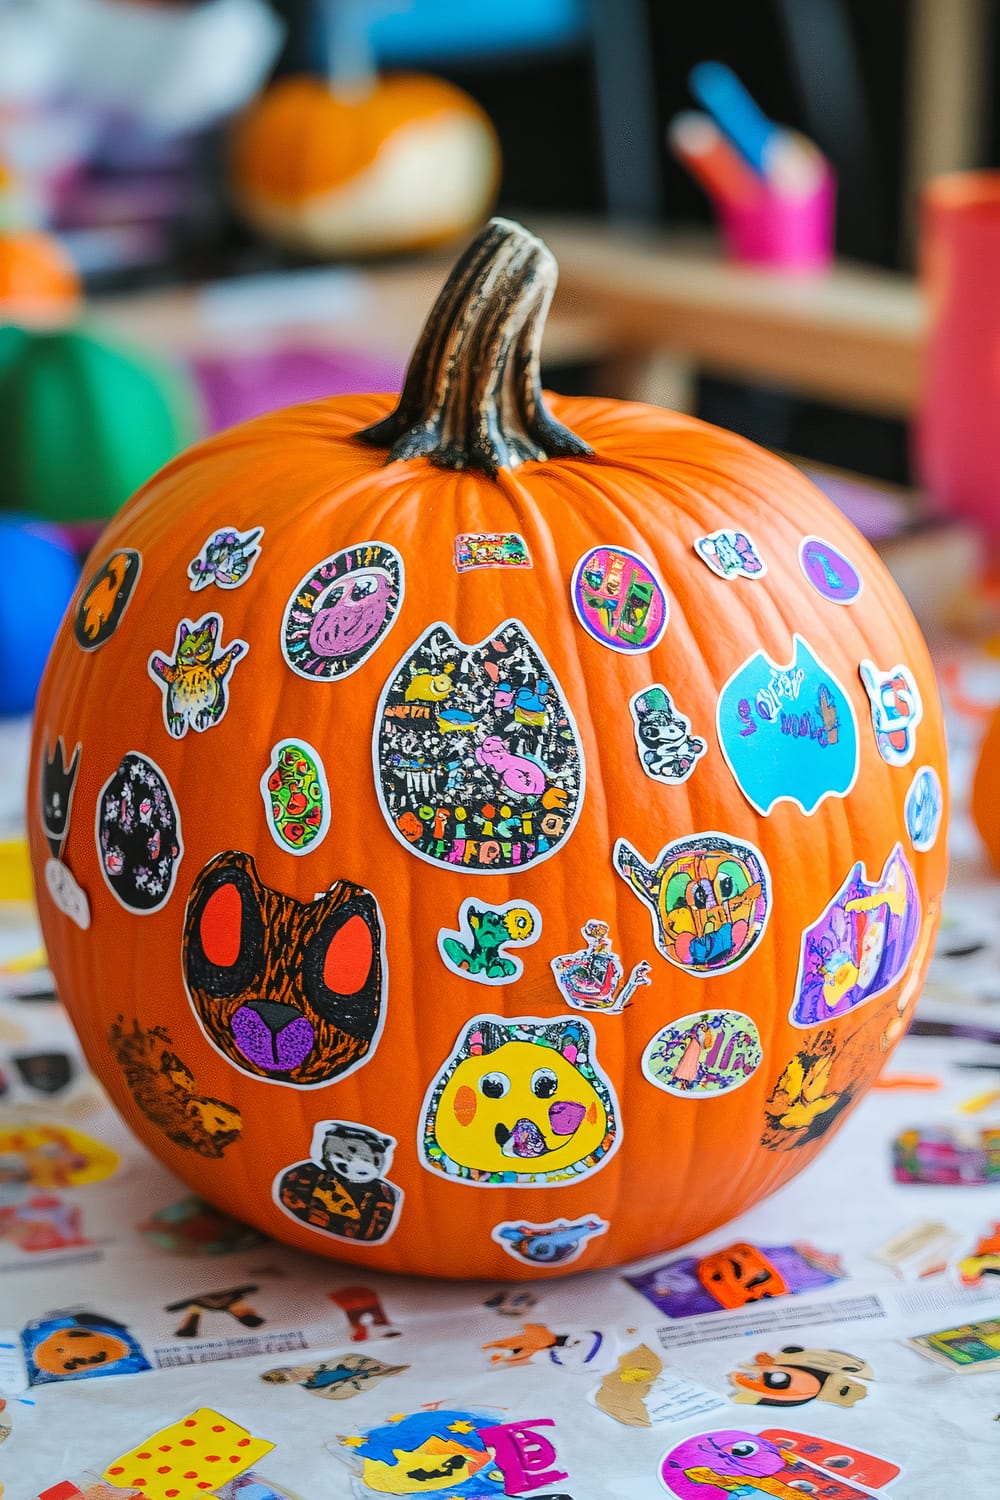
472,397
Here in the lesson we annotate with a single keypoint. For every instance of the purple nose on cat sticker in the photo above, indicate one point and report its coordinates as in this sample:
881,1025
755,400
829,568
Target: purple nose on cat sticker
268,1043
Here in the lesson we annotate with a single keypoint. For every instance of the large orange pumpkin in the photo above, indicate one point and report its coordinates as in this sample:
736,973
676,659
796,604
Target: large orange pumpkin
611,750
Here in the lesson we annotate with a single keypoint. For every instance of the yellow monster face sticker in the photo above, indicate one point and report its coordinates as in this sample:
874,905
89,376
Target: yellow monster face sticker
520,1103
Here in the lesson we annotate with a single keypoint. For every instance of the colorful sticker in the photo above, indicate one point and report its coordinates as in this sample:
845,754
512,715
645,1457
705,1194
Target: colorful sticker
712,1052
512,1301
296,797
491,549
789,733
923,809
226,558
578,1349
79,1346
590,979
731,554
619,600
833,1457
640,1393
814,1089
922,1249
947,1155
232,1301
138,833
193,1227
291,991
971,1346
709,896
335,1379
829,571
365,1314
984,1261
52,1156
896,710
553,1244
477,950
668,751
520,1103
795,1376
341,1190
184,1460
164,1089
753,1464
734,1277
57,783
477,759
341,610
41,1222
452,1452
193,681
106,598
860,945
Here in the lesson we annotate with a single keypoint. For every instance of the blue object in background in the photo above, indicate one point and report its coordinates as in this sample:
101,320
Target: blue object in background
735,111
431,31
39,573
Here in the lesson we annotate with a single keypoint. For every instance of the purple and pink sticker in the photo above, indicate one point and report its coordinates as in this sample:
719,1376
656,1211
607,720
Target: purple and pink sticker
829,571
619,600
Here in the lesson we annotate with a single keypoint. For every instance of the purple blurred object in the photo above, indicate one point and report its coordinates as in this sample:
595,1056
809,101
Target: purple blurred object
236,387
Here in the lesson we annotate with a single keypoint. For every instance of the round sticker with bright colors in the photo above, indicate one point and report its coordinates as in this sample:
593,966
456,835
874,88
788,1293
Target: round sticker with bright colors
922,809
296,796
829,571
711,1052
619,600
340,611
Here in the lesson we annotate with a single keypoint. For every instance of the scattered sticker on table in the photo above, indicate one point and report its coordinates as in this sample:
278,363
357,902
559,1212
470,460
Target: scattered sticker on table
335,1379
193,1227
591,978
731,554
641,1393
341,610
291,991
896,710
983,1262
946,1155
795,1376
79,1346
48,1156
164,1089
472,1450
619,600
477,758
709,897
860,945
520,1103
191,1456
57,783
574,1349
923,808
478,949
194,679
491,549
553,1244
342,1189
226,558
138,833
829,571
365,1314
231,1301
753,1464
970,1346
296,796
668,751
734,1277
789,733
711,1052
106,598
40,1222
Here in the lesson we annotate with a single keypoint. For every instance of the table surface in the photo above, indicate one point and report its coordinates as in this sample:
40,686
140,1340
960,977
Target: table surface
453,1348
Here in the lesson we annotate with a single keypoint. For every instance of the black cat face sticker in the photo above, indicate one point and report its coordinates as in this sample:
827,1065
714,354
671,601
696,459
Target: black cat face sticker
287,990
58,782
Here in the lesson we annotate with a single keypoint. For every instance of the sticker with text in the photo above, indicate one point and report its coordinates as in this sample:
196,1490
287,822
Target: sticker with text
896,710
668,751
641,1392
341,610
490,549
553,1244
478,949
591,978
701,1055
829,571
730,554
789,732
226,558
619,600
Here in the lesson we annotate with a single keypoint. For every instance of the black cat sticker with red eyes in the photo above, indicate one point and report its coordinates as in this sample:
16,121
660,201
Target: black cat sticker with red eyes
287,990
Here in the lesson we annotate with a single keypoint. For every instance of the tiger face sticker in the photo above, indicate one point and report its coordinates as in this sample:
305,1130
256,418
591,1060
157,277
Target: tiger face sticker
287,990
520,1103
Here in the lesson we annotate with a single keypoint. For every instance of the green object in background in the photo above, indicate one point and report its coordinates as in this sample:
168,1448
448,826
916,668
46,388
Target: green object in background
84,422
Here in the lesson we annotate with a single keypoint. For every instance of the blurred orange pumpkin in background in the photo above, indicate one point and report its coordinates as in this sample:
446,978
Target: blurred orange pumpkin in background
473,845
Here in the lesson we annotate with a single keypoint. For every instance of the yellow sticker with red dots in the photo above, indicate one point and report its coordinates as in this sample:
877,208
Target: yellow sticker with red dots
190,1459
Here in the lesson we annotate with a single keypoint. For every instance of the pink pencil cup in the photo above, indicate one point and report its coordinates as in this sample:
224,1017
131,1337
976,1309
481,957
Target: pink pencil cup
957,434
784,232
